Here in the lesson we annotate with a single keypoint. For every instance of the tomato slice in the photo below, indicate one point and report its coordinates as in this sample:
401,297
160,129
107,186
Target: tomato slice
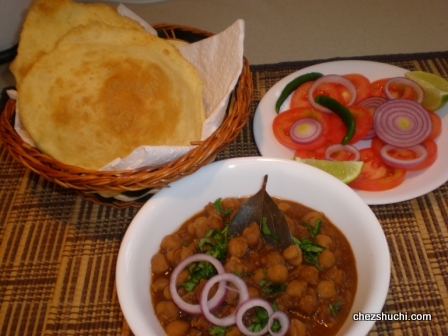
375,174
436,125
362,85
318,153
283,122
397,90
363,119
405,153
377,87
300,96
332,90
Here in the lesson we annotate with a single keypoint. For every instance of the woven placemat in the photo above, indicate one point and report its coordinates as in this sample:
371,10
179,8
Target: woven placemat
58,251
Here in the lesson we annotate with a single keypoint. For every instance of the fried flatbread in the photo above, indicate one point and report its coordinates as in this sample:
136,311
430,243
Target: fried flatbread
48,20
104,91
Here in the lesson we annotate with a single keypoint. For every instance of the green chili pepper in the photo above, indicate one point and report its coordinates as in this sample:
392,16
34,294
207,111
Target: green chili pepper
342,112
294,84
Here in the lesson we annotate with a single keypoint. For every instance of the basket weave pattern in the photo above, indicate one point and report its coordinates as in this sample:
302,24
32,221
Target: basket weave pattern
143,178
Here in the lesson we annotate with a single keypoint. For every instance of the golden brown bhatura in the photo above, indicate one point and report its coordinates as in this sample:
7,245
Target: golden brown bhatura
104,91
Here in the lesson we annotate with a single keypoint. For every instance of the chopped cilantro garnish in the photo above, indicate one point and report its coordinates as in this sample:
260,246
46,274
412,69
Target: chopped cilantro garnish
218,207
260,319
269,288
314,230
310,250
219,331
215,243
198,271
335,308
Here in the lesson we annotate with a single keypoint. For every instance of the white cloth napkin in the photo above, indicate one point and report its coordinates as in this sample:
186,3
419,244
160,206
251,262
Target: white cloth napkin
219,61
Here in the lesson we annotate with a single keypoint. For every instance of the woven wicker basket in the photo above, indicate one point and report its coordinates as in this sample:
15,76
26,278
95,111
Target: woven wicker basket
132,185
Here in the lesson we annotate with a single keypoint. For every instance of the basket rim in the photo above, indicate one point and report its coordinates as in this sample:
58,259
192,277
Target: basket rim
118,181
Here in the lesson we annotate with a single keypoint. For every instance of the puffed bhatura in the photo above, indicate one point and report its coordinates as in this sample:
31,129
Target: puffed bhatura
48,20
104,91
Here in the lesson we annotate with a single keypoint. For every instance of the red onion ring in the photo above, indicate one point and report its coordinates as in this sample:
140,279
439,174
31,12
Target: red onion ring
418,149
284,323
402,80
222,278
389,118
331,79
305,130
244,307
338,147
372,104
196,308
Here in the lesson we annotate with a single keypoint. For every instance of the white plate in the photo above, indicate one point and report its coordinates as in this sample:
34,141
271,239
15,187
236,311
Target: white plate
287,179
415,184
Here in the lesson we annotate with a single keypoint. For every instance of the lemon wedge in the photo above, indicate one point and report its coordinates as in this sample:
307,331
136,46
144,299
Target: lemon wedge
435,88
346,171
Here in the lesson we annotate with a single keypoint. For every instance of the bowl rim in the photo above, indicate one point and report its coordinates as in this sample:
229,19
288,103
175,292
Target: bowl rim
379,250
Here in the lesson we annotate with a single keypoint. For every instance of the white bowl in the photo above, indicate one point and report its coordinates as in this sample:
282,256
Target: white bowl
295,181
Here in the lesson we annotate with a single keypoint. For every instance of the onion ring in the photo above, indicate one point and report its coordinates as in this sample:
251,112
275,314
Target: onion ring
284,323
402,80
305,130
338,147
331,79
244,307
372,103
222,278
196,308
402,122
394,162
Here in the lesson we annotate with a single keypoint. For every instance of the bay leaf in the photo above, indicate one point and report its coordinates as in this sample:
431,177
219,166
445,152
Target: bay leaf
263,210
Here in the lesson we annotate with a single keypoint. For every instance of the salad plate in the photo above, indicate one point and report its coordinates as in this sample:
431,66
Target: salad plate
416,183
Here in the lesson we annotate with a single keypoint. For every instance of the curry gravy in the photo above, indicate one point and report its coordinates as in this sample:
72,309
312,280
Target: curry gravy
315,291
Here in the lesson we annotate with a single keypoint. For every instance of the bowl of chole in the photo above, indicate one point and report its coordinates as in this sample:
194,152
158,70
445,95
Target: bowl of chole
94,85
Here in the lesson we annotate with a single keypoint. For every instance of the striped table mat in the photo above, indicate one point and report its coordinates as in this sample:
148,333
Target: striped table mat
58,251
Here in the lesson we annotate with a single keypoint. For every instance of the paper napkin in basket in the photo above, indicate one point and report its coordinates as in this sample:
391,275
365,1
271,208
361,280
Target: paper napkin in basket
219,61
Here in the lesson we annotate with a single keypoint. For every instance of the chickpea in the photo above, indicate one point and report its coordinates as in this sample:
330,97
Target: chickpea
312,217
234,265
336,275
326,289
308,303
259,275
170,242
237,247
183,277
234,331
297,328
324,240
160,284
252,234
159,264
273,258
278,273
229,203
326,259
167,293
201,226
293,255
185,252
194,332
310,274
253,292
215,223
174,256
167,311
177,328
296,288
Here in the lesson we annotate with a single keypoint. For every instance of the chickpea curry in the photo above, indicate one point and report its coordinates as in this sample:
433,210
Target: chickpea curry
306,288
